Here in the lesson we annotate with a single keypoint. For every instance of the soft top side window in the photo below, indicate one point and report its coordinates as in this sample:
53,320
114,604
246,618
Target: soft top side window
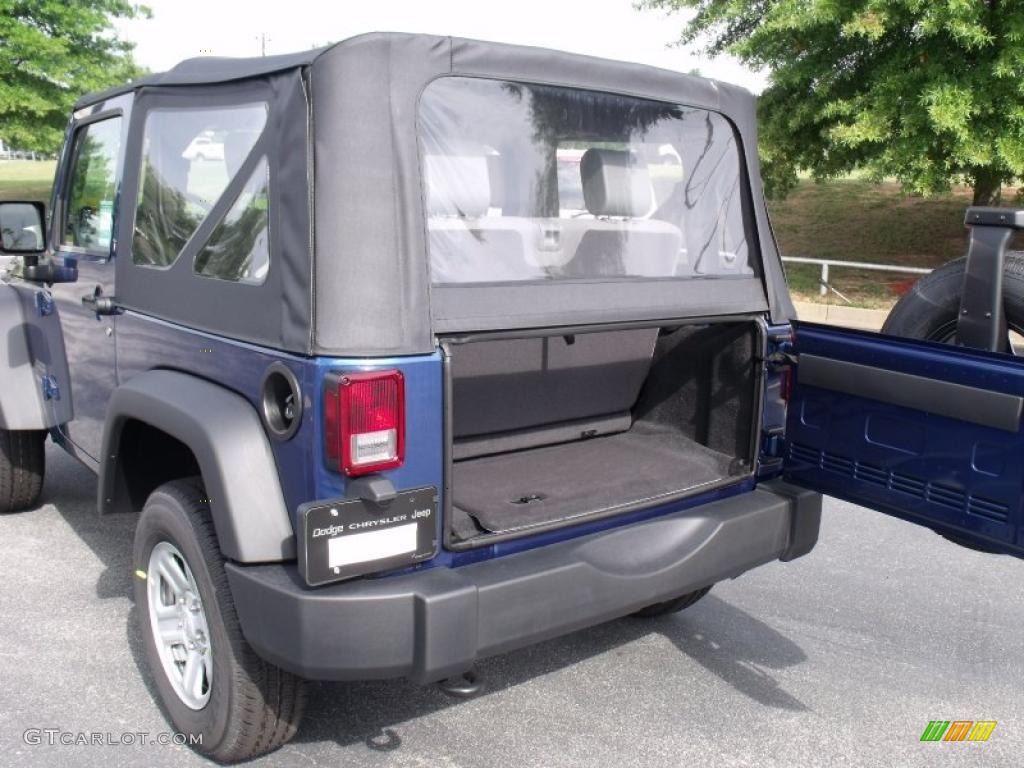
189,156
239,248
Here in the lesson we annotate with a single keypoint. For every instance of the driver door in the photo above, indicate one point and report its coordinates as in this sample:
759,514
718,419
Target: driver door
86,206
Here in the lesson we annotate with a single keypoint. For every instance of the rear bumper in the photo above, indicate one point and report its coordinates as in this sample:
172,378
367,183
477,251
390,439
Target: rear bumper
435,623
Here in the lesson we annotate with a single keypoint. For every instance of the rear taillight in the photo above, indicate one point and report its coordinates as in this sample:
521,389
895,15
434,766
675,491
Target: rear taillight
364,421
786,383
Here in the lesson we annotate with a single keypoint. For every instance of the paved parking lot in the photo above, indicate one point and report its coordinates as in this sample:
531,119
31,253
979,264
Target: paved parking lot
840,658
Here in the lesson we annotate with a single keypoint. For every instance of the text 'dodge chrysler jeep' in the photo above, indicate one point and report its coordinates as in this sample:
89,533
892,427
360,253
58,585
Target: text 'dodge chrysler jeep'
441,348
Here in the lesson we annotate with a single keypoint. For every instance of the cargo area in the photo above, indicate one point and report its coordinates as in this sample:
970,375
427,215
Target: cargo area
549,431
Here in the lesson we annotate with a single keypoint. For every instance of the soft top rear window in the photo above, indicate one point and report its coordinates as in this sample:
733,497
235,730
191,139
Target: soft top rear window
542,183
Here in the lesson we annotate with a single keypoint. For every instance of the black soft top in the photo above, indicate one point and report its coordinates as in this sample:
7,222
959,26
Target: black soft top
352,276
209,70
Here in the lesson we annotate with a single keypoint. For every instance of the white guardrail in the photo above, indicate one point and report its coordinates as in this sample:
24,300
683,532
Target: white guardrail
825,264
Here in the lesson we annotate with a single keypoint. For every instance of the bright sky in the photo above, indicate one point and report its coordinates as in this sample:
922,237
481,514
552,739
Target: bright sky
613,29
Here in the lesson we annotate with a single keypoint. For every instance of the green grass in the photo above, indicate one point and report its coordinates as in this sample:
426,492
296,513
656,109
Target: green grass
855,220
26,179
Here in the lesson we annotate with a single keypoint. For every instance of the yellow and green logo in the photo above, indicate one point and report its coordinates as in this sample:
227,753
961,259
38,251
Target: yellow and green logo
958,730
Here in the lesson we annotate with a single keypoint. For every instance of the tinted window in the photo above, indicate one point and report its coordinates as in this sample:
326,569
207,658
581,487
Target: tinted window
188,158
239,247
539,183
92,190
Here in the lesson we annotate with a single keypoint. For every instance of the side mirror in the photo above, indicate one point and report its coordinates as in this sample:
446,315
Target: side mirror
22,227
23,233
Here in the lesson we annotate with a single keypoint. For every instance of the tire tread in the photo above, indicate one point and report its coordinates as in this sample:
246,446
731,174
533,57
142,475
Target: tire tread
22,468
269,702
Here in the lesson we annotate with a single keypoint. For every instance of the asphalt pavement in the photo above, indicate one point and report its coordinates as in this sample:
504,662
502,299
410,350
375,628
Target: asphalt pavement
840,658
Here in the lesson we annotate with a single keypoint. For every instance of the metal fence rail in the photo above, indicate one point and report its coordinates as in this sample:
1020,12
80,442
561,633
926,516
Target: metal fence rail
825,264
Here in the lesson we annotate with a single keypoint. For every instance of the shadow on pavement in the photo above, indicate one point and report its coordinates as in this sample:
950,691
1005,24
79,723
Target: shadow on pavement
737,648
71,488
728,642
720,637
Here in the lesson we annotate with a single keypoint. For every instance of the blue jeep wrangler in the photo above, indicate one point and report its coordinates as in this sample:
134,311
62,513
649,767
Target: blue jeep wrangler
412,350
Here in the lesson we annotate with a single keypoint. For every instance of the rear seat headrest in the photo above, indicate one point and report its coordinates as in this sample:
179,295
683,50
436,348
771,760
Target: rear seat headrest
457,185
615,183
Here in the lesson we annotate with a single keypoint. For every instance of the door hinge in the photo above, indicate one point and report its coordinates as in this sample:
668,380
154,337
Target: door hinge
773,442
44,303
783,355
50,389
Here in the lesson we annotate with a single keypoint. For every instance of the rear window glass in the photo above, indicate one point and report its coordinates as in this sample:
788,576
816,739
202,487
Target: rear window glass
189,156
538,183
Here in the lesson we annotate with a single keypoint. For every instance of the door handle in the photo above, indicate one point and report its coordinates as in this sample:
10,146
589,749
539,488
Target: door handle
100,304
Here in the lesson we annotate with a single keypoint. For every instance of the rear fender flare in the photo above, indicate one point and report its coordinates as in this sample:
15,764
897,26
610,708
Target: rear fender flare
225,435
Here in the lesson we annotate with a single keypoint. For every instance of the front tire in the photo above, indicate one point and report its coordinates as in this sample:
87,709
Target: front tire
22,466
211,683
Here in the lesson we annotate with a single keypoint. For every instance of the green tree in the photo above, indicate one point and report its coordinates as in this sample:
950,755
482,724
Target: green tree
51,52
928,91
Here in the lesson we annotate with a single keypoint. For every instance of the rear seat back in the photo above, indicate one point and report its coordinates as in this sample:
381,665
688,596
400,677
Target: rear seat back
480,251
620,248
467,245
470,243
517,385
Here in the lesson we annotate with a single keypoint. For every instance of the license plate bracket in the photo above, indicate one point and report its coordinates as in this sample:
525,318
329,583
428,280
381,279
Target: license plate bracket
344,538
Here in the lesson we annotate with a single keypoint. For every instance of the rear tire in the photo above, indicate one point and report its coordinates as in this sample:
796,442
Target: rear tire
22,467
242,706
674,605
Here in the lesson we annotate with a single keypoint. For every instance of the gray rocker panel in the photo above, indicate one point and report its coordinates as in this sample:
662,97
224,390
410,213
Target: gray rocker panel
224,432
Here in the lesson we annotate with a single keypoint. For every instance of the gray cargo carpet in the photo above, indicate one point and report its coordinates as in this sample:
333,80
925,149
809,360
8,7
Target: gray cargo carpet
513,491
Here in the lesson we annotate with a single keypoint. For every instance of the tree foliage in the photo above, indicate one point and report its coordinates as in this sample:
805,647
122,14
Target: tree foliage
51,52
928,91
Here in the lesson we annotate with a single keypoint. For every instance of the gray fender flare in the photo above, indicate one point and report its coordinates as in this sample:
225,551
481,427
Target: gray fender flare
226,436
31,347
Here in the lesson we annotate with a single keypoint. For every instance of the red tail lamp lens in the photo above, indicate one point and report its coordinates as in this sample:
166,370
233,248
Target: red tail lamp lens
364,421
786,383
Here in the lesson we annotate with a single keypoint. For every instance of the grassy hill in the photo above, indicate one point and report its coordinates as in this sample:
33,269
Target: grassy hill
26,179
855,220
